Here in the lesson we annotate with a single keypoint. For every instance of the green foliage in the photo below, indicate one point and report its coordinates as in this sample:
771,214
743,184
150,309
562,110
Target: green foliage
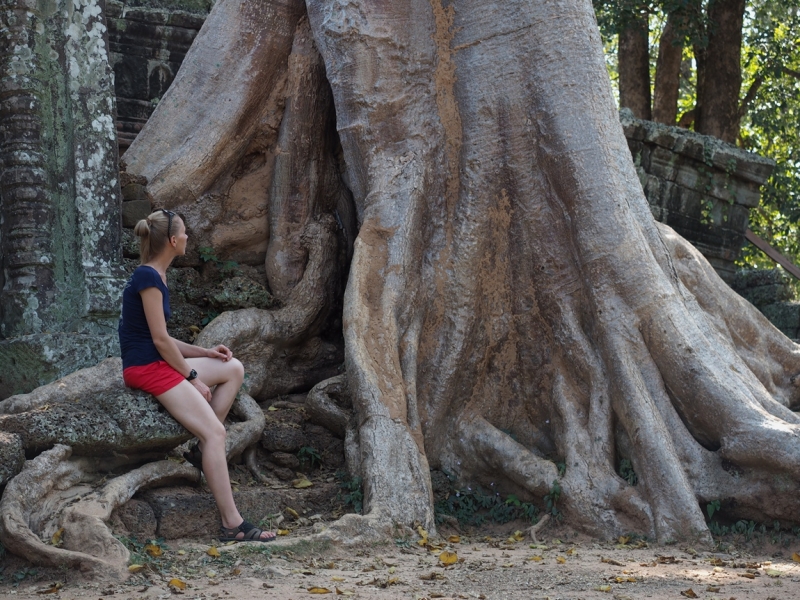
627,473
309,456
711,508
21,575
140,556
350,491
207,254
477,506
210,316
551,499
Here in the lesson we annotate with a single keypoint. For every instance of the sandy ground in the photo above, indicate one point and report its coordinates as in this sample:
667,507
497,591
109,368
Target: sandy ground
565,565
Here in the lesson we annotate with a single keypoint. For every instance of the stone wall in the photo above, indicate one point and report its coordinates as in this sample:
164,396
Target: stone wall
59,192
148,41
700,186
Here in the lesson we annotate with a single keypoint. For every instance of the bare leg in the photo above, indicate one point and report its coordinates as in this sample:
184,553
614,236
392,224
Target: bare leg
227,376
192,411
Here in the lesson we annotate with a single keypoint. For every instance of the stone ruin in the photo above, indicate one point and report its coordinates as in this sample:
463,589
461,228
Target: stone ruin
62,201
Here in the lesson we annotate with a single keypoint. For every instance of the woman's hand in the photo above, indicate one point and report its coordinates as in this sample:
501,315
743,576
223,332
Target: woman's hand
202,388
221,352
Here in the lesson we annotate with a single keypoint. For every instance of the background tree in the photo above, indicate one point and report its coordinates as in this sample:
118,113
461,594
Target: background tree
728,69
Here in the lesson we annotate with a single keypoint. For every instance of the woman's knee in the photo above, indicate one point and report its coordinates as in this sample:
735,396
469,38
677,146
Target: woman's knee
215,433
236,370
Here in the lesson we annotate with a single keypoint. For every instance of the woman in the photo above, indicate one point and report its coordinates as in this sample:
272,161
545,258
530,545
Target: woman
180,375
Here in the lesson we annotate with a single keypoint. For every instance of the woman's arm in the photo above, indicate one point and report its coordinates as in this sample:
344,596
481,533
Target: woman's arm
190,351
152,301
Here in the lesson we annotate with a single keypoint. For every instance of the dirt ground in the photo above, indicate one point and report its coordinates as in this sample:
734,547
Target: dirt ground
489,564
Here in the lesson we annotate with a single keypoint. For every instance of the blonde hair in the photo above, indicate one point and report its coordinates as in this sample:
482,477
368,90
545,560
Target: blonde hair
154,233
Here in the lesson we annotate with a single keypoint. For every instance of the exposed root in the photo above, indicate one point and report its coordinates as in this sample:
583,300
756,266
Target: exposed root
251,460
244,434
358,530
543,521
280,348
329,405
105,376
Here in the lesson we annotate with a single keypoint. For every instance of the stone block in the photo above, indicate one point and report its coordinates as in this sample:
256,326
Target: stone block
663,163
134,211
12,455
138,518
26,362
185,512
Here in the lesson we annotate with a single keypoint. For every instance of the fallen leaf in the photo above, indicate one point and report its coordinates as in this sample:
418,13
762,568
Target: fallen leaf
603,588
392,570
448,558
668,560
177,584
153,550
283,532
301,483
338,579
689,593
773,572
293,512
611,561
272,409
718,562
393,581
795,557
747,575
211,573
536,558
213,552
508,565
319,590
344,592
571,551
182,552
560,560
433,576
712,588
517,536
135,568
53,589
454,539
236,571
624,539
56,539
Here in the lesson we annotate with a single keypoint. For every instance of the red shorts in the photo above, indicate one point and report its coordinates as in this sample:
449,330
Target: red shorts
155,378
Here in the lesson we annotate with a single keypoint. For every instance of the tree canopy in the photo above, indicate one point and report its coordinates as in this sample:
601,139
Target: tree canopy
768,98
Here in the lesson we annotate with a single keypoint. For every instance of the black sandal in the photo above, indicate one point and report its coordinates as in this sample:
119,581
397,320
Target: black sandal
195,457
250,531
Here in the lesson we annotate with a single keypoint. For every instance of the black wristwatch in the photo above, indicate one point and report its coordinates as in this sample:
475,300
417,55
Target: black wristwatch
192,375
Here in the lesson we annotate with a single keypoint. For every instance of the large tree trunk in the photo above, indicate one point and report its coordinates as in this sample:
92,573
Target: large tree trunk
668,70
633,60
511,307
719,72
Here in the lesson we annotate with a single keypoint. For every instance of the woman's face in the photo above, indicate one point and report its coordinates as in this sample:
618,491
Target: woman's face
180,236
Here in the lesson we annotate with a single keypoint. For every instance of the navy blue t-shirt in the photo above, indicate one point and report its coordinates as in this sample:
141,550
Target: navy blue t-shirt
135,340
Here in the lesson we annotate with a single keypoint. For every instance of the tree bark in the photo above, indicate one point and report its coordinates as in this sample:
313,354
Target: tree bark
668,71
719,72
634,67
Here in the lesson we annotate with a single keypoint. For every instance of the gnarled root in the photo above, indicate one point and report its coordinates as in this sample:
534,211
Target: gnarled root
247,432
328,404
281,349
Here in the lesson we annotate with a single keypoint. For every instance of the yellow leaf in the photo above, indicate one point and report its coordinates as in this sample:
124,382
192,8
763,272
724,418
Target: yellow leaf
454,539
517,536
536,558
302,483
53,589
508,565
213,552
603,588
689,593
747,575
236,571
560,560
56,539
135,568
337,579
177,584
392,581
272,409
293,512
343,592
182,552
392,570
712,588
773,572
571,551
448,558
319,590
153,550
795,557
422,533
623,539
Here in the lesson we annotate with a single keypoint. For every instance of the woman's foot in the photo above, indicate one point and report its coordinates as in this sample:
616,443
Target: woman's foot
246,532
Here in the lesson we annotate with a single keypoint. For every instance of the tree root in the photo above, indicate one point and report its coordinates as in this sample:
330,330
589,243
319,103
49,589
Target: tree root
543,521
